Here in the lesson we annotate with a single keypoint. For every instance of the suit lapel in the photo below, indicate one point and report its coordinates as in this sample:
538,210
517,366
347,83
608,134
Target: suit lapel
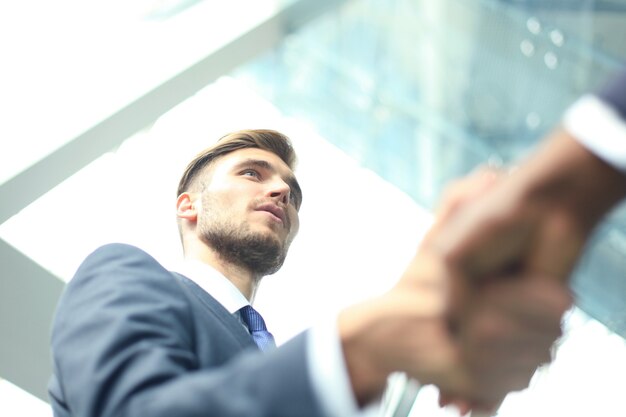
231,323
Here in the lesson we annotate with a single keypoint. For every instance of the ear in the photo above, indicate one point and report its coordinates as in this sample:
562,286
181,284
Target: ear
186,207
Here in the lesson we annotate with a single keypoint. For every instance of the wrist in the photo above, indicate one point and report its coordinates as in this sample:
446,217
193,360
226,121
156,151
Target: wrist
367,377
402,330
567,178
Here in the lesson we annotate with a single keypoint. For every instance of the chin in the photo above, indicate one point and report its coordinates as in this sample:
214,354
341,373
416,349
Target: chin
270,233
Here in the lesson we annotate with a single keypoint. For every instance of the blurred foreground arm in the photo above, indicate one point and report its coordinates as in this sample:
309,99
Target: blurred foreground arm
496,349
494,271
532,225
523,234
536,221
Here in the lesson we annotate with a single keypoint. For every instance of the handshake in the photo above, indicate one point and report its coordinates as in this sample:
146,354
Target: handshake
479,307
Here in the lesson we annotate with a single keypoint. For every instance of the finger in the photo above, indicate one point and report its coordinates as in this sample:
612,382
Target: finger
448,399
489,234
537,302
467,188
490,338
557,249
504,339
486,247
519,319
484,411
505,362
445,399
460,192
477,408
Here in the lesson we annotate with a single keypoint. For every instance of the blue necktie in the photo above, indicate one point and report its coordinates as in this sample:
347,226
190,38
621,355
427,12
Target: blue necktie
263,339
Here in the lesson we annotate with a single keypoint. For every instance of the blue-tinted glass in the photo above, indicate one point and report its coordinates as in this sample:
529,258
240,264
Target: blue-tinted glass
424,91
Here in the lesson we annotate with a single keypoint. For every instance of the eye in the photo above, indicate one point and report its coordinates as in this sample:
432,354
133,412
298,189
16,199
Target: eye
250,173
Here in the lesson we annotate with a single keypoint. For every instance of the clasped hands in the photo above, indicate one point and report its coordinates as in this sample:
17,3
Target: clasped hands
480,305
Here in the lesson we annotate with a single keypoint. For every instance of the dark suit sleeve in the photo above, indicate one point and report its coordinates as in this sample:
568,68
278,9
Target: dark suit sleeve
123,346
614,93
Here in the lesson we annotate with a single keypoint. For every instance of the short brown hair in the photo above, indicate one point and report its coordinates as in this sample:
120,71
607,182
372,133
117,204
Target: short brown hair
268,140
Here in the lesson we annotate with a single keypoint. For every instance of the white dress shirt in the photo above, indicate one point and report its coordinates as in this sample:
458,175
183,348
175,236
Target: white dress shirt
214,283
329,376
599,128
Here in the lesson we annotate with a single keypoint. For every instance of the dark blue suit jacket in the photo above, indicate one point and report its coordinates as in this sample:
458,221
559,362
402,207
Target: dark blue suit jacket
133,339
614,93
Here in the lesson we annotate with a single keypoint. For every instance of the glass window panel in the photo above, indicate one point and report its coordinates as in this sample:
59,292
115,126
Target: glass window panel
423,92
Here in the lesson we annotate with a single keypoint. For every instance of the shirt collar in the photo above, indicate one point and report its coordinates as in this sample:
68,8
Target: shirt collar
214,283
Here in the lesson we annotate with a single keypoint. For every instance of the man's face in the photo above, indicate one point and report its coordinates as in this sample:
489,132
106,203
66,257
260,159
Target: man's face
249,209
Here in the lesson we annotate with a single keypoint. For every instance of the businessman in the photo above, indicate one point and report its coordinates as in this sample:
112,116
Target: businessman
132,338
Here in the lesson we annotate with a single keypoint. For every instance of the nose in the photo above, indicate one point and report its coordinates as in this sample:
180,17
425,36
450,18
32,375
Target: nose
280,190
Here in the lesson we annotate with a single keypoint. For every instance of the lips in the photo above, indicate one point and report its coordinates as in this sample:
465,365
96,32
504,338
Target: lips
275,210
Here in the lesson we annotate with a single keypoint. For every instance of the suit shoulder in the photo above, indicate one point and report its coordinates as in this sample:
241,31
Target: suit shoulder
118,252
117,262
122,277
115,250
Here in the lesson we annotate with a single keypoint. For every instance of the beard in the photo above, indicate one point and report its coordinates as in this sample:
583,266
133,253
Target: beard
237,244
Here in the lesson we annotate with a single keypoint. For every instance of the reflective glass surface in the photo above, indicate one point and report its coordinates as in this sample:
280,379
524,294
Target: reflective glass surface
423,92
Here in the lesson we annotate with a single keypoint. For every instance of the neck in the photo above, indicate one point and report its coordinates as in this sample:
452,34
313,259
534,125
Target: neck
245,280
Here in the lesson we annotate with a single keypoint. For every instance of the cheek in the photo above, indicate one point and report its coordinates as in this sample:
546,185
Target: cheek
221,207
295,224
236,195
227,200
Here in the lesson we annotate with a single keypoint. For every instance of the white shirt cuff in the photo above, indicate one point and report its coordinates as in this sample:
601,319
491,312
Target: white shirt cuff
599,128
328,370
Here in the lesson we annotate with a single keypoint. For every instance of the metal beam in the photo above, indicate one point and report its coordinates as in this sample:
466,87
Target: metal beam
24,188
606,6
28,296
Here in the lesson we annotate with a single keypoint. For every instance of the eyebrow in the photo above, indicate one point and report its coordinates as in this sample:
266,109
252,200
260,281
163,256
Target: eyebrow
290,179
